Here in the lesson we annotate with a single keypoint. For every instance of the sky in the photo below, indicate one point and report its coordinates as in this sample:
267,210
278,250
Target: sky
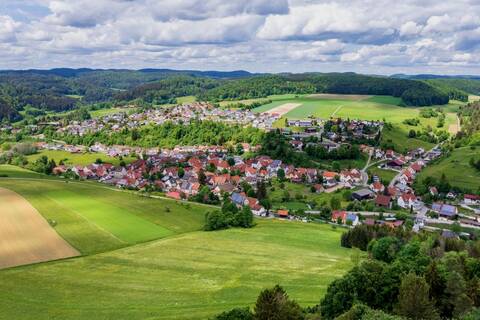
365,36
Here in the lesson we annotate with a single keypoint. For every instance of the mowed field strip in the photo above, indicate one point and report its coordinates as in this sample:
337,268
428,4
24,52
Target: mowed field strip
25,236
283,109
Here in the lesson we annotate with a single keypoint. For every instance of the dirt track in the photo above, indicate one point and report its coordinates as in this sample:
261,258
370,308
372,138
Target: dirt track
25,236
283,109
331,96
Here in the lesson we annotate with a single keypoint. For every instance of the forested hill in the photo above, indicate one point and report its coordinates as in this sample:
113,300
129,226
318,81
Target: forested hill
66,89
463,83
413,93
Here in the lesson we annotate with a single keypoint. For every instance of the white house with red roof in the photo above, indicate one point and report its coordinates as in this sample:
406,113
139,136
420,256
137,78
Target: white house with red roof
406,200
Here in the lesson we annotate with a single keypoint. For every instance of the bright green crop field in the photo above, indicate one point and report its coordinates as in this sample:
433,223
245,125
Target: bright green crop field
147,258
77,158
94,218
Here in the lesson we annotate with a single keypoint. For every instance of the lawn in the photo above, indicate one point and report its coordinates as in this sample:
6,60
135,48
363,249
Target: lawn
186,99
456,168
104,112
94,218
385,175
400,140
77,158
190,276
300,195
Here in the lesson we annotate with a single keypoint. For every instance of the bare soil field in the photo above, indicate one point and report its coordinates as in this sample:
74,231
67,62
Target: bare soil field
284,108
331,96
25,236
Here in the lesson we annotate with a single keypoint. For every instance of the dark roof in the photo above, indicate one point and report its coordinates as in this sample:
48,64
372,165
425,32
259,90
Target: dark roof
364,193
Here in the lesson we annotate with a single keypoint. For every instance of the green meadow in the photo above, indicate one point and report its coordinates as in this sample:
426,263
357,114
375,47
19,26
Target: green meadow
146,258
456,168
77,158
190,276
385,175
95,218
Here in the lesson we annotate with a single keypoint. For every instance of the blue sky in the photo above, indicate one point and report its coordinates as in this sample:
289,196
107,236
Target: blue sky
367,36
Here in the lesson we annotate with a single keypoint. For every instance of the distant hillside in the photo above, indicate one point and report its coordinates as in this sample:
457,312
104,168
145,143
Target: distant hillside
64,89
466,83
413,93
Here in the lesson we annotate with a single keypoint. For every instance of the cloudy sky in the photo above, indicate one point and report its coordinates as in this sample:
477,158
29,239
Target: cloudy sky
368,36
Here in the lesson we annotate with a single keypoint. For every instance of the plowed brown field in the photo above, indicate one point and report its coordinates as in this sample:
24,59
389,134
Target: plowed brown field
25,236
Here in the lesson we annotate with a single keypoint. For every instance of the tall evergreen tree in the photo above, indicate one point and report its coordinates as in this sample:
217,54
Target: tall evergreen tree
274,304
413,299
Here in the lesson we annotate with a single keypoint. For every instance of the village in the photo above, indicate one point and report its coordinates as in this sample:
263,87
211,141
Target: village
210,174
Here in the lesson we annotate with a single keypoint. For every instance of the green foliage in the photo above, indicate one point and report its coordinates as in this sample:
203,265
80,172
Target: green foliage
235,314
169,135
412,92
412,122
385,249
413,299
229,216
79,115
275,304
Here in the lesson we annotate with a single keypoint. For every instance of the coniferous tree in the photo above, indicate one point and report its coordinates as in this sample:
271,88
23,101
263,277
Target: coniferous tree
413,299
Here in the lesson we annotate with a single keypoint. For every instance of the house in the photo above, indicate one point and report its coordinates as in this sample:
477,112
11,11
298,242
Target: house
239,199
282,213
406,200
377,187
318,188
433,191
58,170
345,217
363,194
351,176
383,201
446,211
471,199
174,195
395,164
329,179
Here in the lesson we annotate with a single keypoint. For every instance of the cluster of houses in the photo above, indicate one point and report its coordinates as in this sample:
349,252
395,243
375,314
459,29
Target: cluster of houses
176,114
346,130
182,173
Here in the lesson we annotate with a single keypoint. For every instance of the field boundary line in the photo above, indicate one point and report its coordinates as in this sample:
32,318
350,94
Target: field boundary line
87,220
336,110
98,185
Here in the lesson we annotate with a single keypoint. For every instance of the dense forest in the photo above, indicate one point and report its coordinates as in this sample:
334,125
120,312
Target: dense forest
470,118
413,93
66,89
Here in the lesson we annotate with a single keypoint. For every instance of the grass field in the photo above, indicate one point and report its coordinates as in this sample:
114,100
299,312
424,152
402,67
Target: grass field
94,218
401,142
456,168
77,158
191,276
183,273
104,112
300,195
385,175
